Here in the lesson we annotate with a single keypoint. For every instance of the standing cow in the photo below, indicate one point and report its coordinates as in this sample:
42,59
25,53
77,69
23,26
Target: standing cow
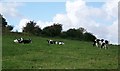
105,44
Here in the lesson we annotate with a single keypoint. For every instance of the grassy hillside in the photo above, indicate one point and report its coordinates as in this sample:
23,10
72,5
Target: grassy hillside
40,55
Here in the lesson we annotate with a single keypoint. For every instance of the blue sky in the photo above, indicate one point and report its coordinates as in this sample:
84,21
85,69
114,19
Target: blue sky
44,11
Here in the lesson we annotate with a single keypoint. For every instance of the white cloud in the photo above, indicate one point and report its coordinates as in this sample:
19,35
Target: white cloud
113,32
10,9
20,26
111,7
43,24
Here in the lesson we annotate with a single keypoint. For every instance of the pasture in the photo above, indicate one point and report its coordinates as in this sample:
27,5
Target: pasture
39,55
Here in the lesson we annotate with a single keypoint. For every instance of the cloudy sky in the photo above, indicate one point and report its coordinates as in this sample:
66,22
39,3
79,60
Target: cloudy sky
98,17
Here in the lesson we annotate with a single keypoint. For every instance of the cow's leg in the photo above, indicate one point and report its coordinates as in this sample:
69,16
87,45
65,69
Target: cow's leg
102,46
105,47
96,44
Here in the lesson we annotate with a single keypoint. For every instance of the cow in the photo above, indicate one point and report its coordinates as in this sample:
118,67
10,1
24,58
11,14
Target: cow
51,41
95,43
21,40
105,44
60,42
55,42
18,40
98,42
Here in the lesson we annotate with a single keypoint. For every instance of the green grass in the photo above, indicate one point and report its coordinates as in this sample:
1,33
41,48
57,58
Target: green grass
39,55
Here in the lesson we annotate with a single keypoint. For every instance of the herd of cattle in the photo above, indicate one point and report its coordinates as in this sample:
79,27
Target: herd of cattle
97,42
25,41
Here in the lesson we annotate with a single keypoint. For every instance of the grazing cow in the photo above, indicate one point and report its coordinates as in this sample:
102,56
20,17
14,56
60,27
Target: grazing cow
99,42
105,44
96,42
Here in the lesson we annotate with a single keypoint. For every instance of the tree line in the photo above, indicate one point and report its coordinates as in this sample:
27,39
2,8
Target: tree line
4,25
54,30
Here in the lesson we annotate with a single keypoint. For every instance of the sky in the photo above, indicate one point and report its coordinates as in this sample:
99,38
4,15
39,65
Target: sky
98,17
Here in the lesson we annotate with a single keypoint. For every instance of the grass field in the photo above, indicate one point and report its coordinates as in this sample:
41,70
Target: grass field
39,55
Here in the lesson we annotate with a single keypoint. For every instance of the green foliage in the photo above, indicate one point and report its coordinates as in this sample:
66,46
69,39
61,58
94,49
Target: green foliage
79,34
53,30
4,23
63,35
5,27
9,27
29,27
37,31
89,36
32,28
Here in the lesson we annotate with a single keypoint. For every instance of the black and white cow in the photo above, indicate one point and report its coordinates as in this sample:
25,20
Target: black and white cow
18,40
21,40
97,42
60,42
55,42
105,44
51,41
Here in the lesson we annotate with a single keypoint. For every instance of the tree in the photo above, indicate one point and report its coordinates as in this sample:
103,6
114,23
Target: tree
5,26
32,28
82,30
37,31
9,27
71,33
4,23
63,34
89,36
75,34
53,30
29,28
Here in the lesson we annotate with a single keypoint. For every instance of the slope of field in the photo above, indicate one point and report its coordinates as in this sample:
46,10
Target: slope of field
39,55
